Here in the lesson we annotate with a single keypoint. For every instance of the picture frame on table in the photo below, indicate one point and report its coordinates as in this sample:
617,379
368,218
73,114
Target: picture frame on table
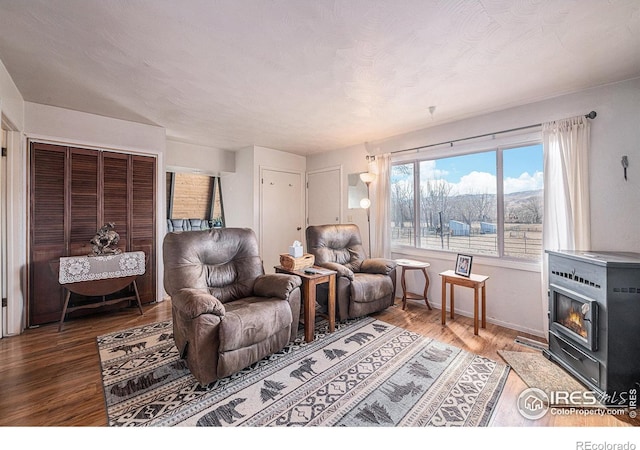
463,265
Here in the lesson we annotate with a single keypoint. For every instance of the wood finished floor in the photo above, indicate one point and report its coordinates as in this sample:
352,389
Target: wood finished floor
51,378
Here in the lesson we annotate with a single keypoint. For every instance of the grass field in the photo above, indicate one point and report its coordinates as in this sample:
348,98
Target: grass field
523,241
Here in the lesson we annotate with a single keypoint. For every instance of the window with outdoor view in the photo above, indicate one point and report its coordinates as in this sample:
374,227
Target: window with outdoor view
485,203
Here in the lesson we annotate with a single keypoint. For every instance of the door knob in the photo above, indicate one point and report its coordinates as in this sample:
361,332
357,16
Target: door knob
299,228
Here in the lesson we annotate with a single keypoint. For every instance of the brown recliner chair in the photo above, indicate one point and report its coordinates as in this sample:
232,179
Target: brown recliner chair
227,314
363,285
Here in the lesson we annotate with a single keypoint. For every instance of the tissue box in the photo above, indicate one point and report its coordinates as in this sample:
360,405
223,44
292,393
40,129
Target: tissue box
295,251
291,263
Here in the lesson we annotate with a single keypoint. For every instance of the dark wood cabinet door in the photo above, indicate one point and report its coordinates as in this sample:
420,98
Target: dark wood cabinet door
84,200
143,219
115,197
48,236
74,192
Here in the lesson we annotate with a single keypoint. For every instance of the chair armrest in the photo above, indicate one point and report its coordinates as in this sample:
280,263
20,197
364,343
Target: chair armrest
195,302
278,285
378,265
342,270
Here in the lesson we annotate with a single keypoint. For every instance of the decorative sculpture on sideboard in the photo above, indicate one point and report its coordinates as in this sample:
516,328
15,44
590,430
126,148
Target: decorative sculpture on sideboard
105,241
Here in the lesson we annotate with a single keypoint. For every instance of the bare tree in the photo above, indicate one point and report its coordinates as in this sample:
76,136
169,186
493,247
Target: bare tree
434,198
532,210
402,195
402,198
475,207
486,207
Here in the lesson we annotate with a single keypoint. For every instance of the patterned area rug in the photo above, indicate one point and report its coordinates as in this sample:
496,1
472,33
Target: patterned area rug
538,372
366,373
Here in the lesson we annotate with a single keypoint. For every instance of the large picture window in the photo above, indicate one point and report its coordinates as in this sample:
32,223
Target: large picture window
485,203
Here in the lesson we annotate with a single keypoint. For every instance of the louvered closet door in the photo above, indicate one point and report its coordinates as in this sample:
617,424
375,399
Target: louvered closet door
85,201
48,240
143,219
115,198
73,193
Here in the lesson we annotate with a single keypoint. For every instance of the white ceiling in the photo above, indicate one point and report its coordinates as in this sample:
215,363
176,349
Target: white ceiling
310,75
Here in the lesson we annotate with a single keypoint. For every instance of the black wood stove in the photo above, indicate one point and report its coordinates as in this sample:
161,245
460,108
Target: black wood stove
594,320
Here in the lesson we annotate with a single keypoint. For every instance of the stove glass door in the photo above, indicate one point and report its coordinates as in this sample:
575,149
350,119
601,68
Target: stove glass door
575,317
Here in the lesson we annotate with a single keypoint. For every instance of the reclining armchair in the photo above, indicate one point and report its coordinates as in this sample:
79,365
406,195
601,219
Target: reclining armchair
227,314
363,285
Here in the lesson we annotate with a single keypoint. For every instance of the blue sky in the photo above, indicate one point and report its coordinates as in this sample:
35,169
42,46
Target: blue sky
476,173
515,162
524,159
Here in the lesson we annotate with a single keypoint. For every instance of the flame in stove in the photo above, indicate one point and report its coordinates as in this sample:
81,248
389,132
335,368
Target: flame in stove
575,323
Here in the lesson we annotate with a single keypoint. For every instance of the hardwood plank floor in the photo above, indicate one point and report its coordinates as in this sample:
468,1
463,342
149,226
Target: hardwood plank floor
51,378
459,332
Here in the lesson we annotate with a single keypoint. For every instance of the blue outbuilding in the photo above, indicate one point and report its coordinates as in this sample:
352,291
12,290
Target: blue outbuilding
488,228
458,228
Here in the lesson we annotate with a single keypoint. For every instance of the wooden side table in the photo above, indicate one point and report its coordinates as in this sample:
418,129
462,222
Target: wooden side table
99,276
309,283
408,264
474,281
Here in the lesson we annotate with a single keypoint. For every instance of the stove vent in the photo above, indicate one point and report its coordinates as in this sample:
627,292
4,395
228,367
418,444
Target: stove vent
624,290
576,278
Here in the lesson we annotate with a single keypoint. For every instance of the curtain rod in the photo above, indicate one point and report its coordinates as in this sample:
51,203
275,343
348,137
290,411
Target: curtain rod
591,115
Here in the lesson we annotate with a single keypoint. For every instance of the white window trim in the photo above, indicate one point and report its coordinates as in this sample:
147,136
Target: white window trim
502,141
424,254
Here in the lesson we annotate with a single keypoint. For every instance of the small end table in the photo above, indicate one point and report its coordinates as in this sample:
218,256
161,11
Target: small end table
309,283
409,264
474,281
99,276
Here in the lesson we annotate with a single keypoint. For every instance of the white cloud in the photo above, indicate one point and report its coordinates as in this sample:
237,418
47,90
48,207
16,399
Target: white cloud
524,182
478,182
428,171
475,183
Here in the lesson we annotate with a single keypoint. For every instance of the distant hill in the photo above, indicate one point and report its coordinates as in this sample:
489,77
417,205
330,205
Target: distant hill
524,207
524,195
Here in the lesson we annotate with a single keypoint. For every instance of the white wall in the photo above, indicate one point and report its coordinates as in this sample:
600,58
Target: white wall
67,126
615,203
352,160
513,293
183,157
12,115
614,132
237,190
16,233
242,188
11,102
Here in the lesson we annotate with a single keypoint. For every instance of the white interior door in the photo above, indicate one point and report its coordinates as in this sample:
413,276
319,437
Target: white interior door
324,196
281,214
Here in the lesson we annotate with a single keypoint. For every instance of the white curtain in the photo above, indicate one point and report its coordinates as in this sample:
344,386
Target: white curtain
381,229
566,191
566,184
